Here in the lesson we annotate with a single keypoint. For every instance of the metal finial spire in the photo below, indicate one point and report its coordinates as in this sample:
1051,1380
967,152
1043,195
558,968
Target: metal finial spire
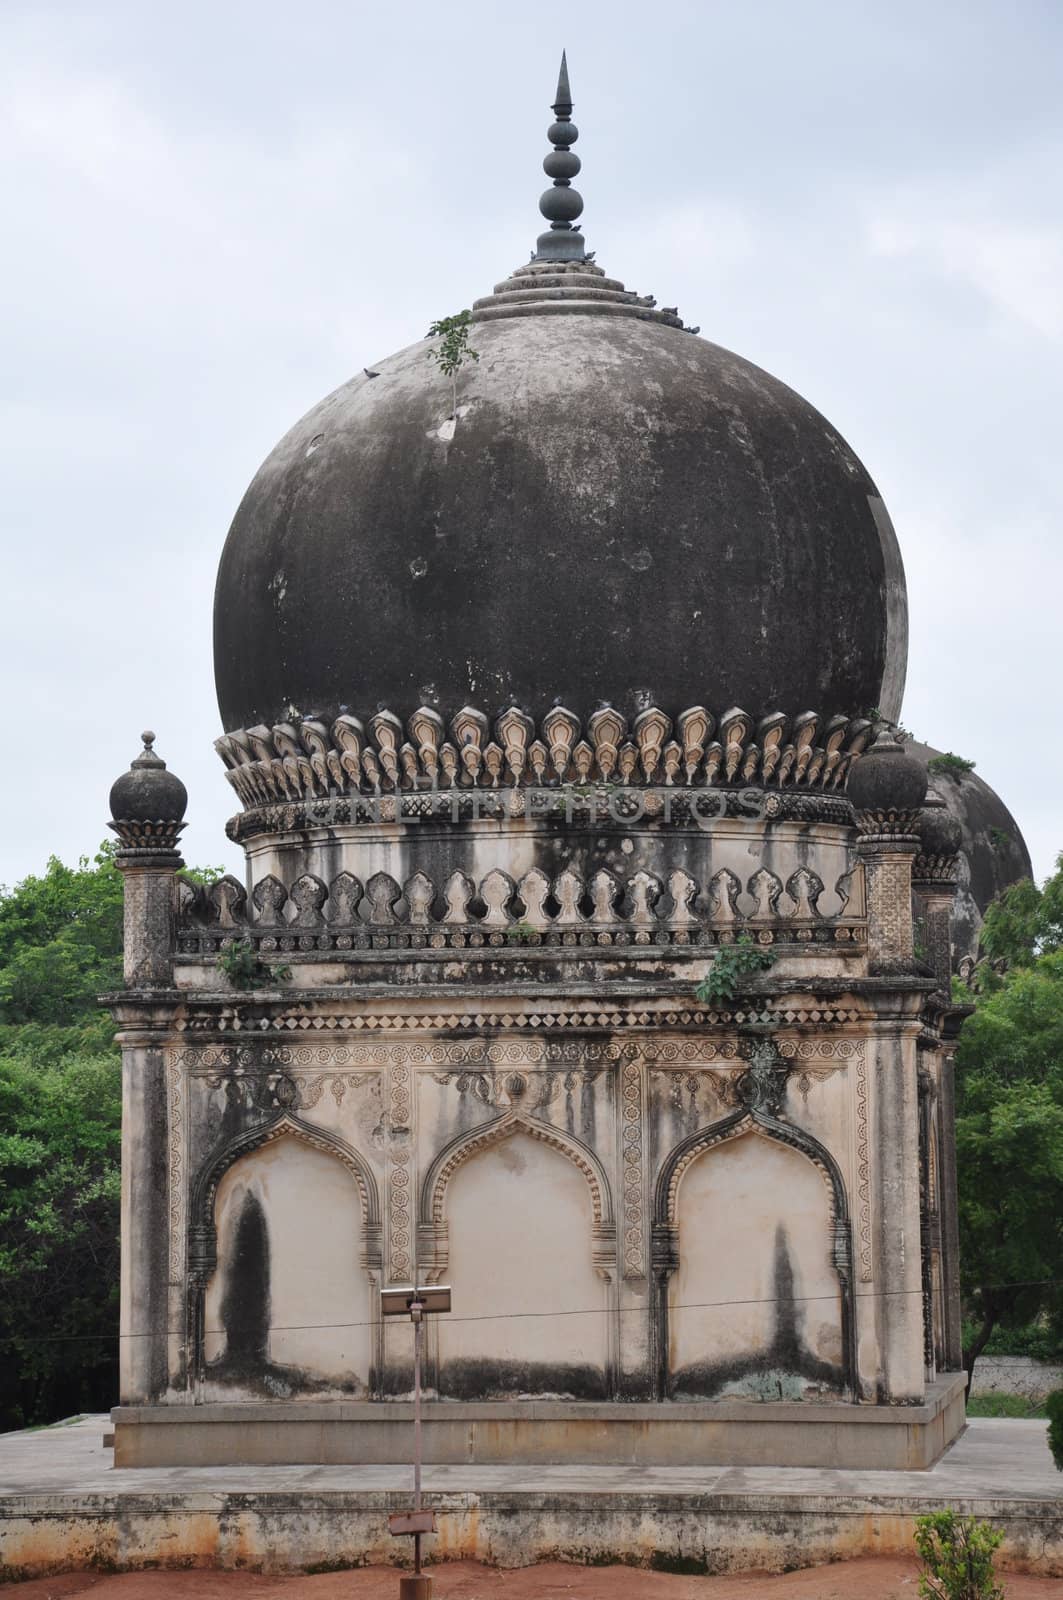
562,204
563,98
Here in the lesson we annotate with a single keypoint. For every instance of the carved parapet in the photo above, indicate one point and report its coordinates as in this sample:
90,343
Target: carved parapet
569,910
311,759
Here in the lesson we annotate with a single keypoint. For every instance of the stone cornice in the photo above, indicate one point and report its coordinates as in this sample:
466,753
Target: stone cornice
310,759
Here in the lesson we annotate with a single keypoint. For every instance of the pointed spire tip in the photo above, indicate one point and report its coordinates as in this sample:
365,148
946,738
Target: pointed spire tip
563,100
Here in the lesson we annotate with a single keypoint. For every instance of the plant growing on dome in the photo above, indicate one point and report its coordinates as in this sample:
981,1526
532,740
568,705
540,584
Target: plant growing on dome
949,766
453,350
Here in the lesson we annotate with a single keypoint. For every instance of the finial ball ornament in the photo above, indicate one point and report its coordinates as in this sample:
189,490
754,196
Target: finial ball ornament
886,778
563,164
148,792
562,133
561,205
940,833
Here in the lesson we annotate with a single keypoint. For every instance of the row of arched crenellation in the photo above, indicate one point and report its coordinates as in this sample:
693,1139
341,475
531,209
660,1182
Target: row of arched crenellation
535,904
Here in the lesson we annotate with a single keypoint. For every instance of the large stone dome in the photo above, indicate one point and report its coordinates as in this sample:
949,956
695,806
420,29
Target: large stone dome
617,511
621,511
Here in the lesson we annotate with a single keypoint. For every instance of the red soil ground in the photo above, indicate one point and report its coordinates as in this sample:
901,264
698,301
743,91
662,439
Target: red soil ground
850,1580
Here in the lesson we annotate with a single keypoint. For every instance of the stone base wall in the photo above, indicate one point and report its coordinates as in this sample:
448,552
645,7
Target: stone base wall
881,1438
1020,1375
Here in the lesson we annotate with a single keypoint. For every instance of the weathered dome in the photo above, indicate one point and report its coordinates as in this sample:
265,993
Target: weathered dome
148,792
887,779
618,511
622,511
993,852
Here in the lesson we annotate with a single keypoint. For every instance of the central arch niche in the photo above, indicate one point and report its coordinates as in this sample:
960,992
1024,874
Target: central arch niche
290,1308
755,1308
520,1223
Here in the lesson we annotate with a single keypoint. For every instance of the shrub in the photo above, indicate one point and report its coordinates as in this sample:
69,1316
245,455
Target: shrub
957,1557
729,965
245,971
1054,1408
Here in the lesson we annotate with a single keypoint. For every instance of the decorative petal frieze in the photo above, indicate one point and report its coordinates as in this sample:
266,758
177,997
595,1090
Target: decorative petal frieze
304,759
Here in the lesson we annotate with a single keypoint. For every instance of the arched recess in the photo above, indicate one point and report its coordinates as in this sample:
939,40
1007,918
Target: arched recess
203,1239
516,1213
433,1249
738,1124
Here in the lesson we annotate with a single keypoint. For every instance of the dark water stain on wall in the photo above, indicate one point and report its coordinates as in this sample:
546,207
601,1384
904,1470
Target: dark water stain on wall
245,1306
785,1367
480,1378
245,1318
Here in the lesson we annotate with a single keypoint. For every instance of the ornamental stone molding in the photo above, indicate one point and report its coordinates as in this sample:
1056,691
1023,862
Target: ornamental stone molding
312,758
596,1018
567,910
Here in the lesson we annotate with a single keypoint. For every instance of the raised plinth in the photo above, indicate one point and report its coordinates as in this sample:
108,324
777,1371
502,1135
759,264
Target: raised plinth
63,1507
726,1433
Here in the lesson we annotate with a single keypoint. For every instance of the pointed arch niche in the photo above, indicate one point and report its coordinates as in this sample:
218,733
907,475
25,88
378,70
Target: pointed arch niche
753,1254
518,1218
285,1244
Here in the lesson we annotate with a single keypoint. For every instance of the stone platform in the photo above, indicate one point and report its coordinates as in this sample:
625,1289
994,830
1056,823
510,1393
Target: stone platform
62,1506
738,1433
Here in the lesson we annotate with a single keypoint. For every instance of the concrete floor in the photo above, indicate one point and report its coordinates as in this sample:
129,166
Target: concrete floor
996,1458
63,1505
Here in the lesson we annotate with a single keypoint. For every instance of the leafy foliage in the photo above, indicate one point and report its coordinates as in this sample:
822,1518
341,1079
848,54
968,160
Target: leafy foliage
1009,1131
957,1556
730,965
245,971
1025,922
453,350
1054,1408
60,1139
1033,1339
949,766
61,941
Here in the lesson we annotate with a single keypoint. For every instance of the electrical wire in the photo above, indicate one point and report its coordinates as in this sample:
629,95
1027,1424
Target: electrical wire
516,1316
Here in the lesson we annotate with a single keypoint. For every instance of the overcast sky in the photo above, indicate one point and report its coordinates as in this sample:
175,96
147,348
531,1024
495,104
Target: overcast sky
217,213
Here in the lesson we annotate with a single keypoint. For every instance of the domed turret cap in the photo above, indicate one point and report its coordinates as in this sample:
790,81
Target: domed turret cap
940,834
887,779
148,792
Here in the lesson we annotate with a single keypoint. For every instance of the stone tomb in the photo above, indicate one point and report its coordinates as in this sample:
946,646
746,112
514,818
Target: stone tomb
614,1000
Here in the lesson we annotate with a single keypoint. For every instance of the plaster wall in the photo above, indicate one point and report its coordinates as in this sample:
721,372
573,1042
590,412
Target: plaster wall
530,1308
290,1305
755,1307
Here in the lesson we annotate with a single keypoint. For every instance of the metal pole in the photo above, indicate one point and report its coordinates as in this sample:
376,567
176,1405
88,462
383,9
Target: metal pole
418,1326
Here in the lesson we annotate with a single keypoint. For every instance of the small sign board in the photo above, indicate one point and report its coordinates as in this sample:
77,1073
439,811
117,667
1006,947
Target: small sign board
412,1522
397,1302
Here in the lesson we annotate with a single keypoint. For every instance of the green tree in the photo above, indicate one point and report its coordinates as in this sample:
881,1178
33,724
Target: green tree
60,1140
1025,922
1009,1131
61,941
